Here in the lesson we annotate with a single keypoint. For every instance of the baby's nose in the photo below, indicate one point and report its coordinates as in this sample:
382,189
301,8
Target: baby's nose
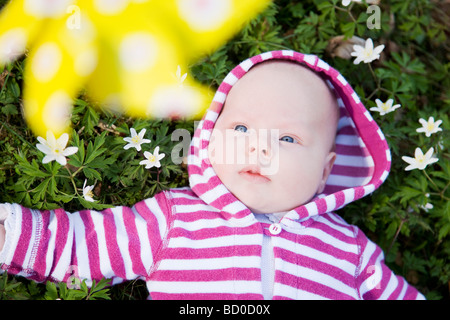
261,146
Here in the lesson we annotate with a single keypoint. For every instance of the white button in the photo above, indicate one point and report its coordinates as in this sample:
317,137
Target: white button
275,229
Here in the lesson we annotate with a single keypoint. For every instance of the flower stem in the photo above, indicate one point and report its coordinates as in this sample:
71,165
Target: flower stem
72,176
431,180
396,235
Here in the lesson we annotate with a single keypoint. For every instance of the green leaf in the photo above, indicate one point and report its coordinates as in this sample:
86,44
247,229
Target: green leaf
95,150
92,174
52,291
10,109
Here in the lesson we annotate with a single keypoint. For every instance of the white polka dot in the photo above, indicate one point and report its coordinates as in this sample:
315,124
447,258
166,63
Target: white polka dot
81,29
57,111
204,15
175,101
46,8
86,63
12,45
138,52
110,7
46,62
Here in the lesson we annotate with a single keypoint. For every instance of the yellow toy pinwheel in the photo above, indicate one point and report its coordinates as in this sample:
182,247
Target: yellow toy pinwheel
129,55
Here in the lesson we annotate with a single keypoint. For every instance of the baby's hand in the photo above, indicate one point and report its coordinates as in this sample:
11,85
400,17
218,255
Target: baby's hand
3,215
2,236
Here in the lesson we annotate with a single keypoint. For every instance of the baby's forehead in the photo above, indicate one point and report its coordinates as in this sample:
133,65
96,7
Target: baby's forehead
284,68
281,78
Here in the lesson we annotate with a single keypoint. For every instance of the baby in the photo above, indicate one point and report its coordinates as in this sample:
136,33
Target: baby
294,101
285,142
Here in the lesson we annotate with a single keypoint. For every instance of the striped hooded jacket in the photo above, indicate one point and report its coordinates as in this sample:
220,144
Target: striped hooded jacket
200,242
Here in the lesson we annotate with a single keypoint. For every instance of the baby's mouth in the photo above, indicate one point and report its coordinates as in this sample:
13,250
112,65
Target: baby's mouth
253,174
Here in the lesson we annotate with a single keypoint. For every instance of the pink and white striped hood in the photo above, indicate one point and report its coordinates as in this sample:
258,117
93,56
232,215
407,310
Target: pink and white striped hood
363,157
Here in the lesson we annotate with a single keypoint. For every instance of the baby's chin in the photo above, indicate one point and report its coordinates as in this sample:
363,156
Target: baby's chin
257,206
260,209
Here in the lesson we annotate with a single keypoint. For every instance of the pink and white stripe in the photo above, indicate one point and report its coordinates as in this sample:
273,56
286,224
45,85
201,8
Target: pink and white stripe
200,242
185,250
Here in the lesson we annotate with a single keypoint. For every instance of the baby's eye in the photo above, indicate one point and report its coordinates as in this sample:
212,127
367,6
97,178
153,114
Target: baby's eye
240,128
288,139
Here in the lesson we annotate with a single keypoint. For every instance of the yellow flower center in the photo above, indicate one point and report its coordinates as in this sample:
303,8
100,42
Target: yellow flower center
385,107
430,126
135,139
368,53
152,158
90,194
420,159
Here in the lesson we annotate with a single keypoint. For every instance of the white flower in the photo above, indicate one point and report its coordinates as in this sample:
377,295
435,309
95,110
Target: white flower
420,161
135,140
152,159
55,149
385,107
367,53
345,3
429,127
427,206
87,192
180,77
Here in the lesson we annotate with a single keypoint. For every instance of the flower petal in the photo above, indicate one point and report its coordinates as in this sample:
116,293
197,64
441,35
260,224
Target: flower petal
70,151
44,148
147,154
409,159
62,140
141,133
51,141
48,158
418,153
42,140
429,153
369,44
61,160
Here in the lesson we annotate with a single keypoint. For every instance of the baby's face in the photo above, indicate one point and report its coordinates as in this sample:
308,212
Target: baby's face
272,143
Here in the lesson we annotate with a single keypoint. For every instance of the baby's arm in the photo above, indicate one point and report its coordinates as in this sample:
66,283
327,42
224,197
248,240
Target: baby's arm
3,215
119,243
376,281
2,236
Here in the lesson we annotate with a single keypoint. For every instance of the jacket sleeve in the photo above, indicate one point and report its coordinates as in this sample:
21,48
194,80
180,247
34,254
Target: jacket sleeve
119,243
375,281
